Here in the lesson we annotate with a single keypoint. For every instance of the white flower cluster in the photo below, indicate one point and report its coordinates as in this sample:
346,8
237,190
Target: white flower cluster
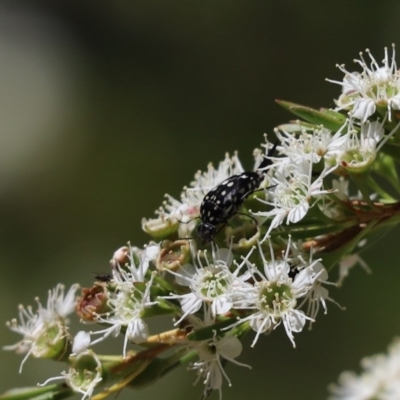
264,294
380,378
274,278
376,86
308,154
44,332
175,214
218,286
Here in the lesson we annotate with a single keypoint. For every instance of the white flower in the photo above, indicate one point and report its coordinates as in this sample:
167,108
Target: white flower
128,306
211,352
212,284
137,263
44,332
83,375
317,294
60,304
294,193
209,365
360,149
83,379
277,293
379,380
298,143
348,262
375,86
129,299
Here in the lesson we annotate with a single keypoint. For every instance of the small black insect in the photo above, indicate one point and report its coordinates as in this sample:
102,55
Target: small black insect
103,277
223,202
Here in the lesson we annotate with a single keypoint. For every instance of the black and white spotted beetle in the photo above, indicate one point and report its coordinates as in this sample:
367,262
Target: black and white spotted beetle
223,202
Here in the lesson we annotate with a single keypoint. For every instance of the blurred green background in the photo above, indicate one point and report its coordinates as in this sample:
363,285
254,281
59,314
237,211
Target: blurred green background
105,106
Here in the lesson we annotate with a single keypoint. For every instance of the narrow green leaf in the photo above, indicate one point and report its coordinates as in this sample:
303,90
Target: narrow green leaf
328,118
209,331
50,392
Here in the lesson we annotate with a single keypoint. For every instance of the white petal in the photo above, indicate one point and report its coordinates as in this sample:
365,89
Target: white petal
261,323
297,320
298,213
137,330
81,342
185,275
214,377
190,303
152,252
363,109
221,305
229,347
395,102
224,255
